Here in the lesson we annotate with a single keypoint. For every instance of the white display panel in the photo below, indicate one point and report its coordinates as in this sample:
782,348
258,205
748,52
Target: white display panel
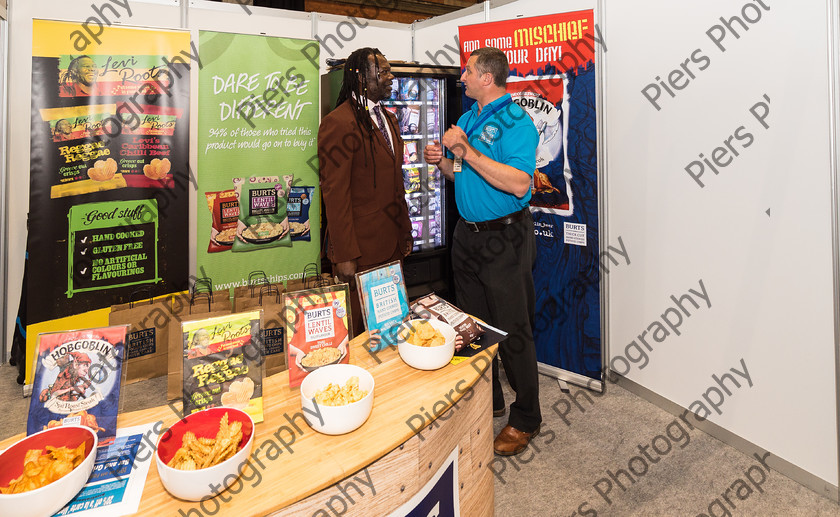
505,10
341,35
436,39
758,233
240,19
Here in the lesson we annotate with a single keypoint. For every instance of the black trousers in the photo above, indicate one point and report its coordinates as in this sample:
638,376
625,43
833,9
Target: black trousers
493,281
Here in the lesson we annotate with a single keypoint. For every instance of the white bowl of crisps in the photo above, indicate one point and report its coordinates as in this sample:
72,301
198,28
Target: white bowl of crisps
44,471
426,344
201,455
337,399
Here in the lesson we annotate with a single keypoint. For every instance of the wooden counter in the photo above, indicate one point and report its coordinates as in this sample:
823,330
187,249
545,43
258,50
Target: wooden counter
302,472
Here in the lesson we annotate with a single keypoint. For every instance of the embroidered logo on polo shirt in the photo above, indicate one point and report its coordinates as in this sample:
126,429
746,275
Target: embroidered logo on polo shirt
489,134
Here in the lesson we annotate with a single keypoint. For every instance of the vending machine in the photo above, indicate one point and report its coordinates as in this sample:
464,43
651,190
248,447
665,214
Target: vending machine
425,101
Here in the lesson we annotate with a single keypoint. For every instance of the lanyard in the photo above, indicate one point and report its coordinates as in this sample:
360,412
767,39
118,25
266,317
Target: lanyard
485,114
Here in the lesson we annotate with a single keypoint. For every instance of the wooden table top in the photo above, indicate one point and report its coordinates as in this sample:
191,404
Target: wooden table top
310,461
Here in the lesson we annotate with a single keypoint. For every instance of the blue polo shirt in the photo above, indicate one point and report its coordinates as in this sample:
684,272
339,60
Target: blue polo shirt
506,134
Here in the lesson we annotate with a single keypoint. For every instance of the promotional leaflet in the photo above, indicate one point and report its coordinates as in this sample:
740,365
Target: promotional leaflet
77,380
223,363
317,323
119,474
384,301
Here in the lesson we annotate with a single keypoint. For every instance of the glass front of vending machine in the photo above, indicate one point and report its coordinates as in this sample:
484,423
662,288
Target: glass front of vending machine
425,101
415,101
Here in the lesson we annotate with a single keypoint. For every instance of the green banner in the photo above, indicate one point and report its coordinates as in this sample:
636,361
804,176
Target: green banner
112,244
257,127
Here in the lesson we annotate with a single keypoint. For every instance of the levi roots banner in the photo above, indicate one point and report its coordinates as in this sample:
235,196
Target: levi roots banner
552,61
258,198
109,174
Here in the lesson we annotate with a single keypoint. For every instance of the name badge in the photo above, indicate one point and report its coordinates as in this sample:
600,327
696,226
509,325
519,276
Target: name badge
456,165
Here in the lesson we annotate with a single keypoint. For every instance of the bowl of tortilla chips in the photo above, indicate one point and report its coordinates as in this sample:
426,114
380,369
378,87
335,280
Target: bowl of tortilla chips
426,344
200,455
337,399
44,471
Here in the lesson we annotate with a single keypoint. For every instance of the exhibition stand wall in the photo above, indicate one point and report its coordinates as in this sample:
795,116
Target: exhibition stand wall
718,145
749,230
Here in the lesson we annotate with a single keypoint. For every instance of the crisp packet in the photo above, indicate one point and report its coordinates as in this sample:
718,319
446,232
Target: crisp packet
432,305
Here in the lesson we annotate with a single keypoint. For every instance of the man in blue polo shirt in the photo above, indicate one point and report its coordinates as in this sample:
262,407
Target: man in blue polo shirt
491,157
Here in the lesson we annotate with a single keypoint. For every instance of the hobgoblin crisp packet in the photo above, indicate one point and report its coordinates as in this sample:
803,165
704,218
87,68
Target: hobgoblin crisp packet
77,380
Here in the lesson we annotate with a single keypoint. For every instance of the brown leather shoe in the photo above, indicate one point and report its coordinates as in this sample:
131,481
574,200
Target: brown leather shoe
499,412
512,441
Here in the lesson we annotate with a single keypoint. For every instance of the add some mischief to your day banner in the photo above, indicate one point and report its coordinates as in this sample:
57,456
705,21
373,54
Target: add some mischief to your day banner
552,61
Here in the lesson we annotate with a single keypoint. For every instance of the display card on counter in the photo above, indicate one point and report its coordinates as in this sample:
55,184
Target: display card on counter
384,301
119,473
77,380
223,363
317,323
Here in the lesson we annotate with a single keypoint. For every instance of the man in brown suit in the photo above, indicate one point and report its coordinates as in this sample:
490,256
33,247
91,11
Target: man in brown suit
360,154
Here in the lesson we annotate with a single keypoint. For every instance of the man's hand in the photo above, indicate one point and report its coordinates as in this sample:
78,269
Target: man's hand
433,153
407,246
374,338
456,141
346,272
459,342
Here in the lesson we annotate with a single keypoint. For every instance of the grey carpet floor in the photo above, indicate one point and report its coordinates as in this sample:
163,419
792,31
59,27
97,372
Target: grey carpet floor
567,465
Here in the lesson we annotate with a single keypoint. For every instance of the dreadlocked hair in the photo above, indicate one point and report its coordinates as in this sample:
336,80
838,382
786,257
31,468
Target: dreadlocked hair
357,70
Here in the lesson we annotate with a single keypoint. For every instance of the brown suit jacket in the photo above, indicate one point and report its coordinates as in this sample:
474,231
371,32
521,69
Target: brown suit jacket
362,188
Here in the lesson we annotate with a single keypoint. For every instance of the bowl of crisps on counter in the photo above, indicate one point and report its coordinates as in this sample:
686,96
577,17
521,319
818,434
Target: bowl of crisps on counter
44,471
426,344
204,450
337,399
